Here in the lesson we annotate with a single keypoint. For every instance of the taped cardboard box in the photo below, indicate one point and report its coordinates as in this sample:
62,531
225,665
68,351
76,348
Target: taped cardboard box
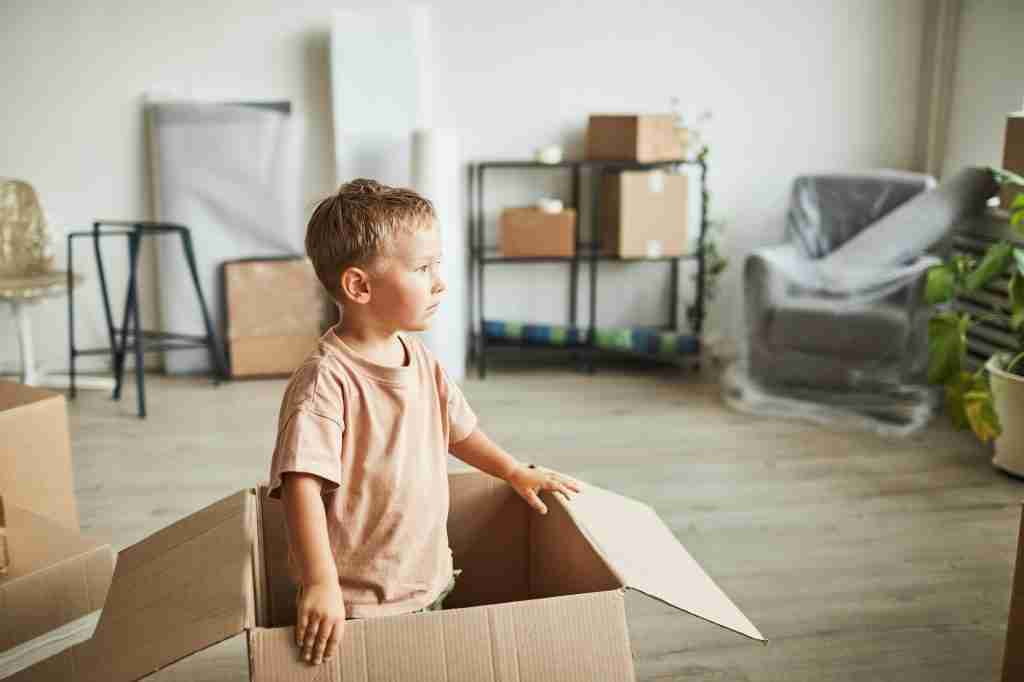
529,232
643,138
35,453
276,311
643,214
539,598
50,596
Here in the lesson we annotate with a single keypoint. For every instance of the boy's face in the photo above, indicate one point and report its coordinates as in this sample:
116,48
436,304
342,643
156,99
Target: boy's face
407,287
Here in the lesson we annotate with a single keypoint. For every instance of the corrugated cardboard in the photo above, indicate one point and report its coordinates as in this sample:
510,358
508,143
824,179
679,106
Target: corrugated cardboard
643,214
56,578
1013,155
4,555
531,232
35,453
539,598
644,138
276,311
1013,655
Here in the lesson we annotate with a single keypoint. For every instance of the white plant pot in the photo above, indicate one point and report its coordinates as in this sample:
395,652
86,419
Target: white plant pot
1008,397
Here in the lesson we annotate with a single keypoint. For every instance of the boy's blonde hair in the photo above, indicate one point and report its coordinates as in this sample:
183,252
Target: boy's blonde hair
357,224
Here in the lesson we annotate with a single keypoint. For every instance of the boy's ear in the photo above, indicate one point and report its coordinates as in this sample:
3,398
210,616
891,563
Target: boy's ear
355,285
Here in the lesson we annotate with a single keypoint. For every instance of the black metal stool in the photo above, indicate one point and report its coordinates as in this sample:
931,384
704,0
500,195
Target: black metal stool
132,336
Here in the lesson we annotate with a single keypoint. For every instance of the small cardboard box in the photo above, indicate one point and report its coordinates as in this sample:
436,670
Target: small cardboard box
1013,155
1013,655
531,232
276,311
644,138
50,596
643,214
540,598
35,453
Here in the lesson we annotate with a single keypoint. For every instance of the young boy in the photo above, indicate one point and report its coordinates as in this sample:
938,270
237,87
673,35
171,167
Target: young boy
367,421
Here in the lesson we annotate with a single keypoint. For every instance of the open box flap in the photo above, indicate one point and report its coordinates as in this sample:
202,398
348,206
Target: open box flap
180,590
641,549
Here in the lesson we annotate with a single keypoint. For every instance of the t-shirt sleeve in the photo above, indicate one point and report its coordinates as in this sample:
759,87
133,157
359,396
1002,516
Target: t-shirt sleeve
309,431
462,420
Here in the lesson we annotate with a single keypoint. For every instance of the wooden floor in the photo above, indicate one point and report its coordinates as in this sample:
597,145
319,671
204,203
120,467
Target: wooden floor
860,558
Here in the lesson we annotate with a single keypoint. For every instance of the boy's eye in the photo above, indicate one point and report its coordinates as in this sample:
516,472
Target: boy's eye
423,268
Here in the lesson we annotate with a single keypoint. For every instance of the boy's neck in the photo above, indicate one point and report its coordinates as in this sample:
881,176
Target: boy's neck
378,345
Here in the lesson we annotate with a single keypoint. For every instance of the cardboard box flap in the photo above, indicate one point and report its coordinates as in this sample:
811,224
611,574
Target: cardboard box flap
181,590
646,556
4,556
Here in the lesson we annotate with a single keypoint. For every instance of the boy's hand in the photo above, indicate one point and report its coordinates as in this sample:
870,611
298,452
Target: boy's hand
529,480
321,621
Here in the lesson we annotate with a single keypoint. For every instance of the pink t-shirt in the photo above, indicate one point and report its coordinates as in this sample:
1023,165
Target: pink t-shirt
379,437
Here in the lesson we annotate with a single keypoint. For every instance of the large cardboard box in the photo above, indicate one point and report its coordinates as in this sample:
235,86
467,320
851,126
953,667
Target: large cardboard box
1013,655
530,232
644,138
539,597
1013,155
35,453
276,311
51,594
643,214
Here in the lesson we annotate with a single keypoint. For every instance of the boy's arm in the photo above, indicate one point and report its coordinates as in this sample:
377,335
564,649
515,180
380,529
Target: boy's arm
481,452
320,620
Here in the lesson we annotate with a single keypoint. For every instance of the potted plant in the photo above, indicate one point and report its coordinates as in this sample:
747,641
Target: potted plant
991,400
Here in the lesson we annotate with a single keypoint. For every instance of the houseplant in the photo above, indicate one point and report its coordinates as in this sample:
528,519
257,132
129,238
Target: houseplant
991,399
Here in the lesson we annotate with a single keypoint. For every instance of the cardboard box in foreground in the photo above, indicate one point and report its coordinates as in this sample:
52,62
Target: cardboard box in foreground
56,582
35,453
539,598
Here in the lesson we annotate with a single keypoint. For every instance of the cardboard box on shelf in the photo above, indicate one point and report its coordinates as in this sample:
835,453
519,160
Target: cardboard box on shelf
539,597
1013,155
50,596
35,453
531,232
644,138
643,214
276,311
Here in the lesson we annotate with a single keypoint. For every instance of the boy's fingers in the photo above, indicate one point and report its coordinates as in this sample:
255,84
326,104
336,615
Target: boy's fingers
311,632
531,497
300,628
321,642
334,641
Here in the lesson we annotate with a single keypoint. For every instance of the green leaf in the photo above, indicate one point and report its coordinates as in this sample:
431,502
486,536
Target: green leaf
940,284
1016,291
1018,255
992,265
956,388
1004,176
981,414
1018,202
947,344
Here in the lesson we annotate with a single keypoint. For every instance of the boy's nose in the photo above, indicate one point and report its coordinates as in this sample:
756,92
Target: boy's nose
439,285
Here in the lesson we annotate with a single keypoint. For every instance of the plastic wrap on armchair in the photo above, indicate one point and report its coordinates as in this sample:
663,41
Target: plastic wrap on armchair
835,318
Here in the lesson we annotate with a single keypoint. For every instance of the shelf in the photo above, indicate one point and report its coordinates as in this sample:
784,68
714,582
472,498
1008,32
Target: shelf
491,256
611,165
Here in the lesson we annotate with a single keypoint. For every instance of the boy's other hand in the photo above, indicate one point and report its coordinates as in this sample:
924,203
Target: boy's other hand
321,621
528,481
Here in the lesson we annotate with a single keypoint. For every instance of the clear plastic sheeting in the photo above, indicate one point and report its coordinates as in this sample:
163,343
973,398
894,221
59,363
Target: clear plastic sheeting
835,318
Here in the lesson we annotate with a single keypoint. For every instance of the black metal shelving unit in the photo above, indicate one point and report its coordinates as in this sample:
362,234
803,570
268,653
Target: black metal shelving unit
586,252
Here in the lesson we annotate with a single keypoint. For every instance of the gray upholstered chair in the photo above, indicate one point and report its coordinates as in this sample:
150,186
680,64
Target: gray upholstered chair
836,315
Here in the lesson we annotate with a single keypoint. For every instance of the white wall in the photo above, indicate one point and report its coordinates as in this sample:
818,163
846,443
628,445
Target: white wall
794,86
989,82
